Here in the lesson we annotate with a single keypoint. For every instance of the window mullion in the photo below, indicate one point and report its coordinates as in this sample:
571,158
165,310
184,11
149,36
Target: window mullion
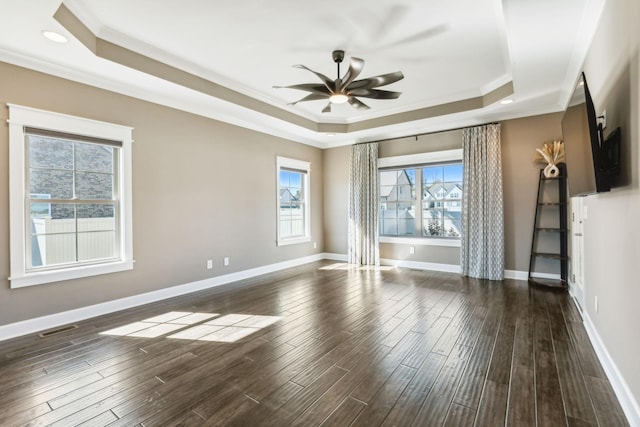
75,198
418,202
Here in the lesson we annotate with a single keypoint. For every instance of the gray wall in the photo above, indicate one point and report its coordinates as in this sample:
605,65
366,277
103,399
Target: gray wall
336,193
520,173
520,138
202,190
612,226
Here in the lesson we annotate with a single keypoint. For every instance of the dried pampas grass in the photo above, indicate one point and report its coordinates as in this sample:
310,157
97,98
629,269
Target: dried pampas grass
553,154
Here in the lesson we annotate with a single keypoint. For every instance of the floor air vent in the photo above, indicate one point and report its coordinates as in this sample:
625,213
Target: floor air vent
57,331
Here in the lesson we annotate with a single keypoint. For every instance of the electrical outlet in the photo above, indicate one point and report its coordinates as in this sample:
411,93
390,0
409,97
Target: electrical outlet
315,245
209,264
226,261
412,249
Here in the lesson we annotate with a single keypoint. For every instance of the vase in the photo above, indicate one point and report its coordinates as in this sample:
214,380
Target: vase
551,171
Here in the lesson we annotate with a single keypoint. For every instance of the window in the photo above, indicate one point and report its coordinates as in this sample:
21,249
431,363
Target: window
398,202
293,201
423,200
441,200
70,195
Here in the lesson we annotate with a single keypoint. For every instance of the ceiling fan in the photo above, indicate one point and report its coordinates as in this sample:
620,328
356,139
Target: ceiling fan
347,88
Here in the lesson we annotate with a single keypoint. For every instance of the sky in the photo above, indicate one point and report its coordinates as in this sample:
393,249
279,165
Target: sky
290,179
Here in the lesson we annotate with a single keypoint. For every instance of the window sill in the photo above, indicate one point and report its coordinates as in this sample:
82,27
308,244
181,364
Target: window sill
421,241
294,241
40,278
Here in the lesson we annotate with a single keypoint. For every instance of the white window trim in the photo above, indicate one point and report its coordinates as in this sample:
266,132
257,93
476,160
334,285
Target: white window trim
420,241
284,162
419,159
19,117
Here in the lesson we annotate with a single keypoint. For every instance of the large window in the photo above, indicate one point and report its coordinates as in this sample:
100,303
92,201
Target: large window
293,201
70,197
422,200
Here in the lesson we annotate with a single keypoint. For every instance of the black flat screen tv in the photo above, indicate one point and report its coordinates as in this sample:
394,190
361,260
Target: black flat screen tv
592,163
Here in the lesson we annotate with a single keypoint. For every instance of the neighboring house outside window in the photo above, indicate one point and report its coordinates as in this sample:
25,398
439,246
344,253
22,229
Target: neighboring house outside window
293,215
442,197
423,200
397,202
72,216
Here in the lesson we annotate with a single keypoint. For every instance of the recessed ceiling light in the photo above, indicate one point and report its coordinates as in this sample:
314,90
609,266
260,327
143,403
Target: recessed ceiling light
331,134
54,36
506,101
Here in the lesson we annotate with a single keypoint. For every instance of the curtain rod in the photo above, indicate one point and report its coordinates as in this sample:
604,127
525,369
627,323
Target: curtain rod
426,133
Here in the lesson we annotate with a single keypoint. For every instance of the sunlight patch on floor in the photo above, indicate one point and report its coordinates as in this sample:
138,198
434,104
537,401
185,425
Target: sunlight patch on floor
346,266
160,325
196,326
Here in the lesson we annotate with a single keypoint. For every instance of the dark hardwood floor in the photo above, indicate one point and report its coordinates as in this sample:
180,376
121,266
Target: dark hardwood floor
351,347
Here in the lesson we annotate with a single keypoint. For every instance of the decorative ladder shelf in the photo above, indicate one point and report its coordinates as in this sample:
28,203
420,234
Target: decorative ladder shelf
545,213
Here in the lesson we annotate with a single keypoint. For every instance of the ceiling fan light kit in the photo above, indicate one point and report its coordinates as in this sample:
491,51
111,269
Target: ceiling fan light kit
347,88
338,98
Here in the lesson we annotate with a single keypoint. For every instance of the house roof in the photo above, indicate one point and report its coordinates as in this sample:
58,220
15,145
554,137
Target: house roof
436,187
389,181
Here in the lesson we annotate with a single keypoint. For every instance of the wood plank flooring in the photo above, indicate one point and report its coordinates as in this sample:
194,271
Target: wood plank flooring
352,347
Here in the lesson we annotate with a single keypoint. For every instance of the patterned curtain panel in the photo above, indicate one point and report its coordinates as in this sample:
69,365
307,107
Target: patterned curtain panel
363,205
482,243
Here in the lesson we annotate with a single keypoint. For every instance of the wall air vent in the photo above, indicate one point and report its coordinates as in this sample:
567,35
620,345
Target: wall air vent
57,331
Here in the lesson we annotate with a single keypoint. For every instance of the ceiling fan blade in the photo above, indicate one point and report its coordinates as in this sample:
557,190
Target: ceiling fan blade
357,104
390,19
310,97
326,80
429,32
309,87
327,109
355,68
371,82
375,93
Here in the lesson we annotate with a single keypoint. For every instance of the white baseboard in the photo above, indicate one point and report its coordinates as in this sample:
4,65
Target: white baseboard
336,257
578,295
623,393
38,324
447,268
419,265
516,275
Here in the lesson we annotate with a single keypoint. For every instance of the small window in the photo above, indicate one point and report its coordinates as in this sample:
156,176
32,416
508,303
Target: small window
293,201
70,192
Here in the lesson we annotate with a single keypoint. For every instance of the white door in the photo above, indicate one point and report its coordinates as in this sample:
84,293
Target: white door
578,211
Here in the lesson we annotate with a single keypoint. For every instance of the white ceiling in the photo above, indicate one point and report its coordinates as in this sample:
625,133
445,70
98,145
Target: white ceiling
451,54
